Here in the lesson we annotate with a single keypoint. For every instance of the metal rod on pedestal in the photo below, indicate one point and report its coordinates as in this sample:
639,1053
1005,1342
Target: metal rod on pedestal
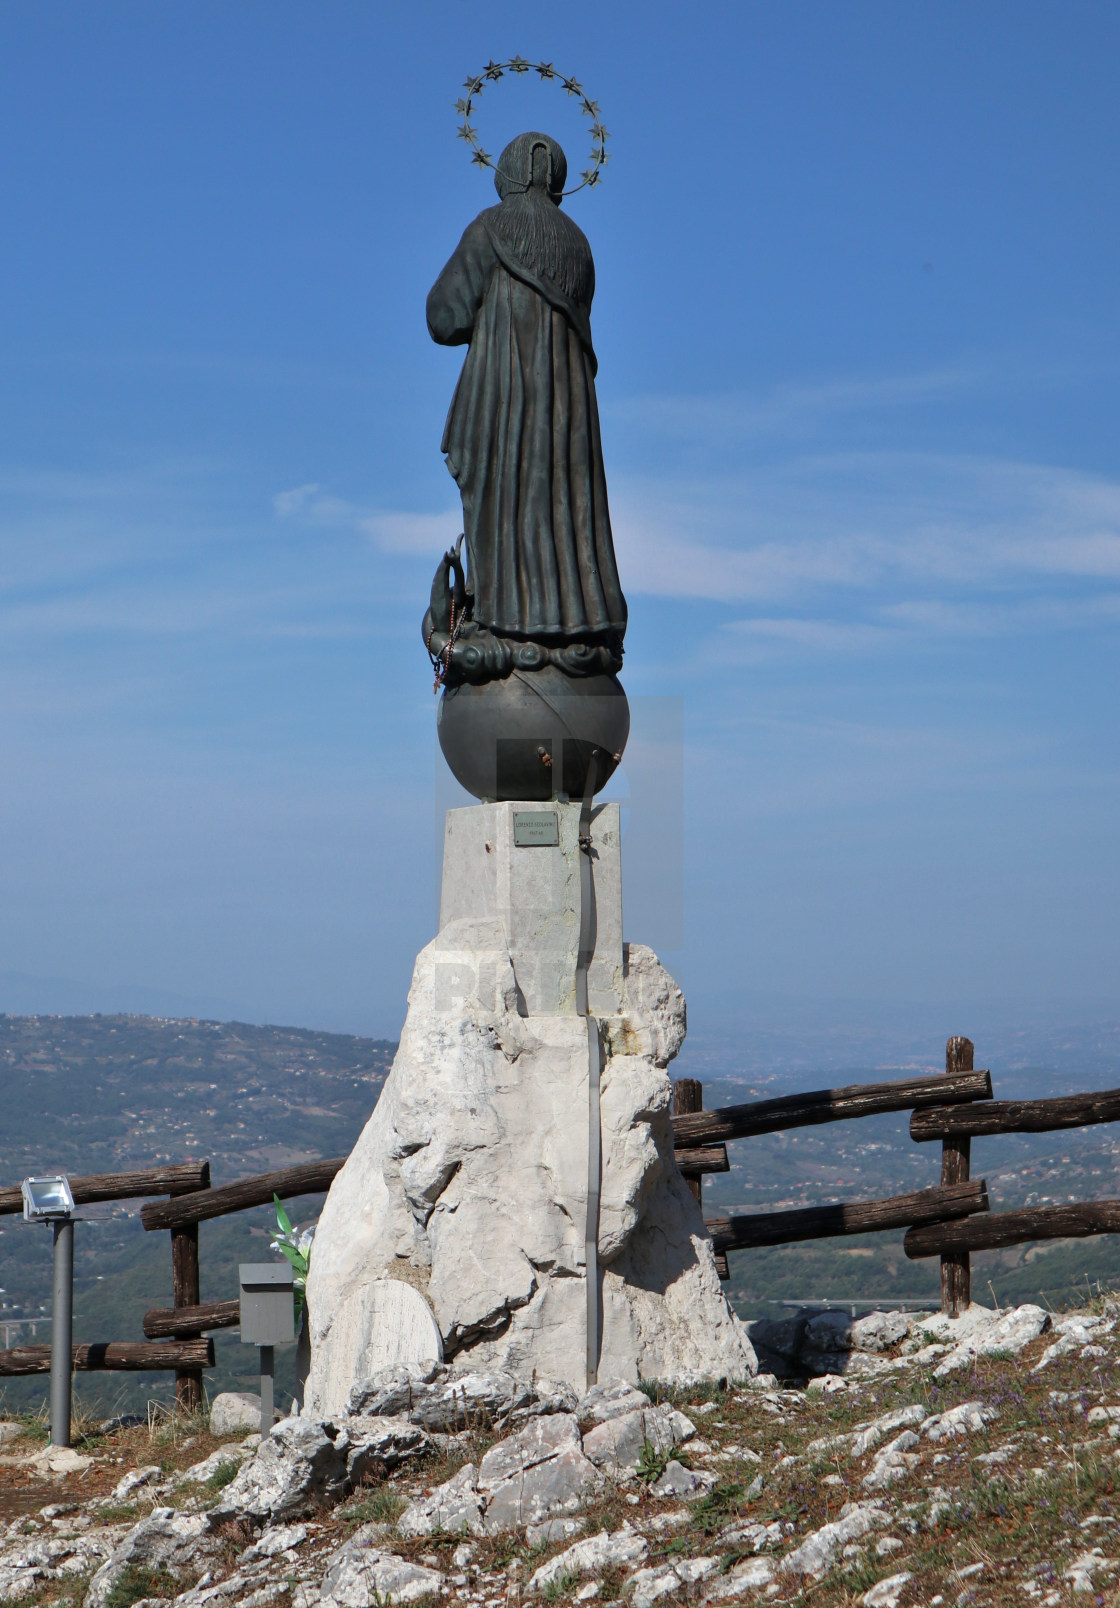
587,936
62,1330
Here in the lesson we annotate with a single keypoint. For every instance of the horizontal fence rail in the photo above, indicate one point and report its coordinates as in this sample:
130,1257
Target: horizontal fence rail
180,1179
829,1105
847,1217
703,1159
1017,1116
309,1178
180,1323
1073,1221
91,1356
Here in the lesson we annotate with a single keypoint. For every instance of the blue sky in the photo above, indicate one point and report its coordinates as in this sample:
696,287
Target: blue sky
859,347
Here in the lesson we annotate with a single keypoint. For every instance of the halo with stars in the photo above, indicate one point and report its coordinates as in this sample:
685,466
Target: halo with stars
491,73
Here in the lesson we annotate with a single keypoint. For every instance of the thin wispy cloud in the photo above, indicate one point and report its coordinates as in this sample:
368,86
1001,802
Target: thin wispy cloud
856,521
163,550
391,531
790,410
864,551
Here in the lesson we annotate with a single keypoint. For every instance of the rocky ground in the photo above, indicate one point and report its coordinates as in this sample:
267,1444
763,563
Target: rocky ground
899,1462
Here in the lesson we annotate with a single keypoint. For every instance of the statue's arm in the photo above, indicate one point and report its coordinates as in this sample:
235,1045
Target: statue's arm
458,293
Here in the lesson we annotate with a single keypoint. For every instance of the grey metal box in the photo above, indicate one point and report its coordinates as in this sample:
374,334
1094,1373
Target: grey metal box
268,1313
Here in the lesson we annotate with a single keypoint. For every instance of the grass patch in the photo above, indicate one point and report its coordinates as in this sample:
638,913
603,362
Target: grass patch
380,1506
223,1475
65,1593
123,1513
719,1507
34,1426
561,1586
136,1582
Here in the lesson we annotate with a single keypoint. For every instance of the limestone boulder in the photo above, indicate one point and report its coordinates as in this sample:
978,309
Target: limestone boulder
607,1550
682,1483
453,1508
616,1445
471,1180
362,1575
164,1540
524,1480
981,1333
234,1410
302,1464
306,1464
438,1399
837,1332
816,1553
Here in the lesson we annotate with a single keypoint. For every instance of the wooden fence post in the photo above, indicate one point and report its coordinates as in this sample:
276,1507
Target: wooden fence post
186,1292
956,1158
688,1095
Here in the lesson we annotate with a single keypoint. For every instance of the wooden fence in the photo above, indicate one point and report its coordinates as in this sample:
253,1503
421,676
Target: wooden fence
177,1330
950,1219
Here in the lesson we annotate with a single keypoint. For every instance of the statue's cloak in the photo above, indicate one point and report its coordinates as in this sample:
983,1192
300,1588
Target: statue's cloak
522,442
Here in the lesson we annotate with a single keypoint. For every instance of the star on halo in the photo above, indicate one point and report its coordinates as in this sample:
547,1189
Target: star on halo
495,70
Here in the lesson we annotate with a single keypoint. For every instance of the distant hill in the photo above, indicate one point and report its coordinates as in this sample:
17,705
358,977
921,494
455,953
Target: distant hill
100,1093
85,1094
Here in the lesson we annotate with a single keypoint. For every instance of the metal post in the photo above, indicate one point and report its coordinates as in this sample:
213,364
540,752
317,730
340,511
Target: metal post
588,931
62,1331
267,1355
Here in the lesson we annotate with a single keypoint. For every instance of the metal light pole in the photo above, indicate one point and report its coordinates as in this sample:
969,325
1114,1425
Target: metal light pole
48,1200
62,1330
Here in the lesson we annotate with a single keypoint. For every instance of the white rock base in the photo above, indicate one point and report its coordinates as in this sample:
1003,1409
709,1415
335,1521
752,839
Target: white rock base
470,1179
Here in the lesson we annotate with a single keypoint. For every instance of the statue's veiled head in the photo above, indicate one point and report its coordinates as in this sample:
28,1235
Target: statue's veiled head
531,174
532,162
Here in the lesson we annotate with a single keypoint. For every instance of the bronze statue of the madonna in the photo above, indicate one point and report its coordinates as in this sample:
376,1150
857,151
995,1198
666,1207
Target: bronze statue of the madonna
527,635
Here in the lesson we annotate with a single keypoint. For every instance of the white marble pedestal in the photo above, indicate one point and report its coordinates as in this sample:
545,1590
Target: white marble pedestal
470,1179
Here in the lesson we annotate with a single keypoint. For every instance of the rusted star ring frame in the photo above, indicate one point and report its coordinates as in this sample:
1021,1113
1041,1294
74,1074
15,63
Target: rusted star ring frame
491,73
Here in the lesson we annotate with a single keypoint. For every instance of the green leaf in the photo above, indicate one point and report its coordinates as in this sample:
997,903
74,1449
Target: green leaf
282,1217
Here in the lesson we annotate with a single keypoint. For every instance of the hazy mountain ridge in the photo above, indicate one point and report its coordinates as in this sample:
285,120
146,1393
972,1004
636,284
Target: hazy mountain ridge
93,1094
101,1094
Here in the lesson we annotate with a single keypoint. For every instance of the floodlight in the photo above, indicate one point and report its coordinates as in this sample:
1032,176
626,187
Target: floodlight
47,1199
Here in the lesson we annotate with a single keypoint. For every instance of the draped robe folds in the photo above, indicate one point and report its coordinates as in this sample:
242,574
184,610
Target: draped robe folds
522,442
